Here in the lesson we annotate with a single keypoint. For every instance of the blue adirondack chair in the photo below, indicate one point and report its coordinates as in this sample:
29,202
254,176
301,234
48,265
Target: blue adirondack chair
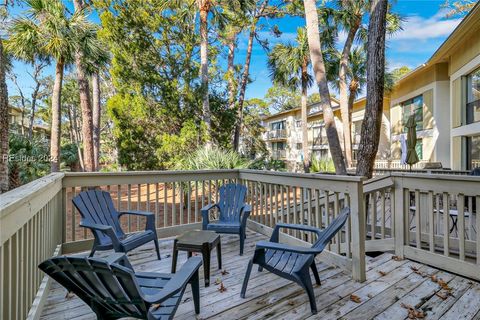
233,212
99,215
113,290
293,263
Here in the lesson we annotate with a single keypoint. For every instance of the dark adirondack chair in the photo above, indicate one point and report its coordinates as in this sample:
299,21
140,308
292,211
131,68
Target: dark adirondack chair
233,212
99,215
293,263
113,291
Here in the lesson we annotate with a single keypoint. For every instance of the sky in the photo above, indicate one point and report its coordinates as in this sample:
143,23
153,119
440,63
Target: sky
424,29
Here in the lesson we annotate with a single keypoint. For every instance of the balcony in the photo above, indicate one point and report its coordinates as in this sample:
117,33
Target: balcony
277,134
279,154
423,218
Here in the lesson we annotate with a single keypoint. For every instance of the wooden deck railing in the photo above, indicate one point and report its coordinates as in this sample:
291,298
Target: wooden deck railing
398,212
30,232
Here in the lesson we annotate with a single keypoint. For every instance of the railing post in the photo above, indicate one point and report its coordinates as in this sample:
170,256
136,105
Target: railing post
398,218
357,215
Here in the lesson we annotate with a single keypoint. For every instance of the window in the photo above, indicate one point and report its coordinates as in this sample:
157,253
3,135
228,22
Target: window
278,145
357,127
277,125
298,123
473,97
413,107
299,146
473,152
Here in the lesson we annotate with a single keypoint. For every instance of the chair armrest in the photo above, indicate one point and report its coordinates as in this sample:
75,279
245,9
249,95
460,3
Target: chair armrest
177,282
204,210
245,213
149,215
106,230
302,227
285,247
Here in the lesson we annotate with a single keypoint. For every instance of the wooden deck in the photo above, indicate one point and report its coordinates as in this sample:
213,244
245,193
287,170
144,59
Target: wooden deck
391,287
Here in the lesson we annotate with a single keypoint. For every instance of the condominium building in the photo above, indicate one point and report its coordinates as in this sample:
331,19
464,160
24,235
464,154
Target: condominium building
443,94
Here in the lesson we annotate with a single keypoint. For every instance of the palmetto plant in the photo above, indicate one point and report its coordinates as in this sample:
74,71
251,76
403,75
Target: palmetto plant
213,158
49,32
288,64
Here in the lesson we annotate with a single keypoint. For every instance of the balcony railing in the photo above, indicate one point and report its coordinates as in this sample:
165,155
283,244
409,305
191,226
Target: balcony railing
408,213
279,154
277,134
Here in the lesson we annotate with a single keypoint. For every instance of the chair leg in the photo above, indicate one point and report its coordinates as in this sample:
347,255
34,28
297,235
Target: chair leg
306,283
313,266
195,283
242,242
157,248
245,280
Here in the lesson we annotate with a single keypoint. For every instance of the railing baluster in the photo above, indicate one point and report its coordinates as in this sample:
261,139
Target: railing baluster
288,208
309,212
148,197
129,206
74,224
295,213
165,205
196,201
382,210
418,226
157,207
461,225
270,220
431,221
469,209
275,191
189,201
139,199
181,203
373,221
174,205
336,212
446,228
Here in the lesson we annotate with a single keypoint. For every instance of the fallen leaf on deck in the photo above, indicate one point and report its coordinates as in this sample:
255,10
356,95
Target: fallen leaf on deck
434,278
222,288
442,296
167,256
355,298
414,269
444,285
396,258
69,295
218,281
382,273
224,272
291,303
412,312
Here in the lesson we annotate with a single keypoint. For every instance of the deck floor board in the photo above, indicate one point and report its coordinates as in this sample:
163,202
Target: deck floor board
389,284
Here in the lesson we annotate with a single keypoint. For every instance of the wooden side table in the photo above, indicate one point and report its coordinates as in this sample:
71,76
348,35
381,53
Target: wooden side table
198,241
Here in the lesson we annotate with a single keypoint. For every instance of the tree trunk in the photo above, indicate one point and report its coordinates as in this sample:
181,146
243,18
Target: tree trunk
204,7
96,119
78,140
56,117
232,39
37,70
370,133
245,74
316,56
4,182
85,104
243,89
305,149
343,91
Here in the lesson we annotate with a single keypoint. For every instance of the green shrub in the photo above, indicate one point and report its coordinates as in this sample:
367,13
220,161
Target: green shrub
212,158
322,165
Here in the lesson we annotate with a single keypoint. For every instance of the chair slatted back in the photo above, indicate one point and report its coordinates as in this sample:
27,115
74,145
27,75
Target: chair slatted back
108,289
232,198
96,206
331,230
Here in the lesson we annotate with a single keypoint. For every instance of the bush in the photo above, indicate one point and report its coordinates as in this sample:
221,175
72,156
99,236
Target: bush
212,158
322,165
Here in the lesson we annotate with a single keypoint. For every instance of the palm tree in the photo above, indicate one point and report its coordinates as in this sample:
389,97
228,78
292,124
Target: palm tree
349,15
316,56
356,76
288,64
48,31
4,185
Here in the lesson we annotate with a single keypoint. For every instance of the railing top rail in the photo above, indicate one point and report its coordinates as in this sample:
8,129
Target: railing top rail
449,177
331,177
91,179
25,202
153,172
13,199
